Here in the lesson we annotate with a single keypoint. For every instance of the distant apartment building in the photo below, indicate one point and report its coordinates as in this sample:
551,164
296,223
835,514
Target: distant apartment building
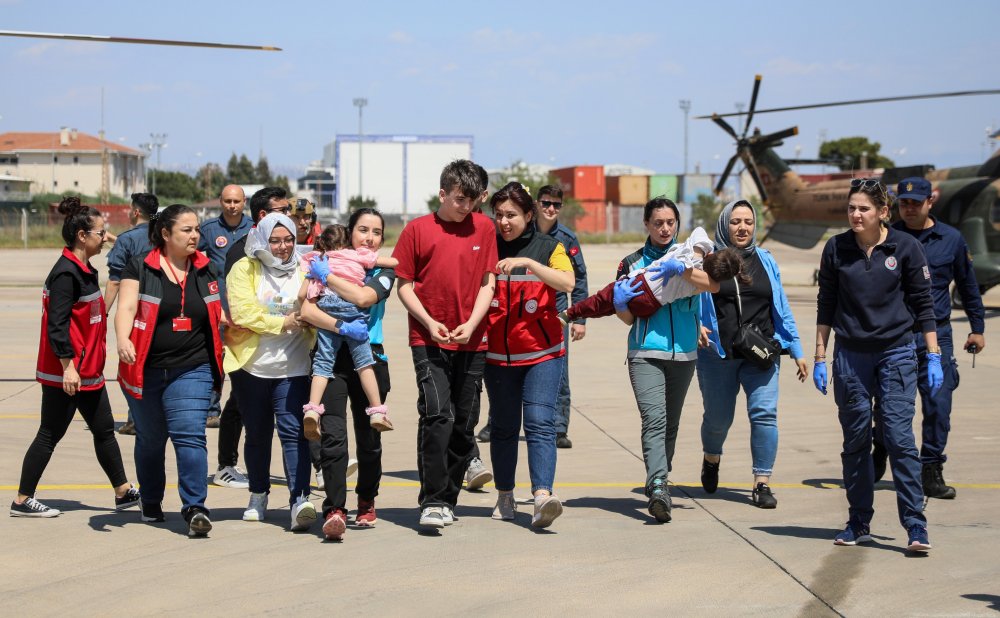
68,160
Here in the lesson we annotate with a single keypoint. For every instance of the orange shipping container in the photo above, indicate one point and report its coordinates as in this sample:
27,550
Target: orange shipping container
594,217
582,182
629,190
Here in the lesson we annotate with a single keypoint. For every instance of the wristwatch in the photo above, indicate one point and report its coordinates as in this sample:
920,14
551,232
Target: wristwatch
338,324
934,350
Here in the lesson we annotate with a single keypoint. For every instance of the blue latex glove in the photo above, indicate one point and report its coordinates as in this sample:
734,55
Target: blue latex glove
319,269
819,376
625,290
935,375
665,270
357,330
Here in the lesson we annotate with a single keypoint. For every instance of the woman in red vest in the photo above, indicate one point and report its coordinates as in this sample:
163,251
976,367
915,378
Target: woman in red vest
170,348
71,355
525,340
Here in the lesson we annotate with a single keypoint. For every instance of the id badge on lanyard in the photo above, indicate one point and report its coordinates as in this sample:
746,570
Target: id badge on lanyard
181,324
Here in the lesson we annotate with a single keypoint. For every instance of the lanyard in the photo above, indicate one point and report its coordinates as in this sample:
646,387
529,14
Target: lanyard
181,283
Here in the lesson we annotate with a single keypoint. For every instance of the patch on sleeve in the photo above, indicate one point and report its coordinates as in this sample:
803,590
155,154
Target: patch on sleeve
213,287
927,272
573,251
968,254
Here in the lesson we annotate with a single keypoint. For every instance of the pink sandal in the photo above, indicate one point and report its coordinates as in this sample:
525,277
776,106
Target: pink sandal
378,417
310,422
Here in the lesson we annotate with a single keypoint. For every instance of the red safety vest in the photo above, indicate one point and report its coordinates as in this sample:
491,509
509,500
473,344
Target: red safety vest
88,328
150,294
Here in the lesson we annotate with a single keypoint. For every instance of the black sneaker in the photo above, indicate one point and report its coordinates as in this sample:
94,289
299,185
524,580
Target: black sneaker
763,498
130,499
198,522
934,485
151,512
128,429
563,441
32,508
880,459
659,501
709,475
484,433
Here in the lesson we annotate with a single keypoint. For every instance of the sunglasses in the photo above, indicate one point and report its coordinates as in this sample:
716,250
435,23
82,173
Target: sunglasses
550,204
869,184
101,233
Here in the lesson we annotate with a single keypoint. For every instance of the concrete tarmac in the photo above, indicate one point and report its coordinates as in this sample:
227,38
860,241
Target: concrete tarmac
605,555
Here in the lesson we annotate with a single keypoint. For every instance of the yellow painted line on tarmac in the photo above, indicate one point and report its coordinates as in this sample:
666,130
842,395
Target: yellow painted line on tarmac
87,486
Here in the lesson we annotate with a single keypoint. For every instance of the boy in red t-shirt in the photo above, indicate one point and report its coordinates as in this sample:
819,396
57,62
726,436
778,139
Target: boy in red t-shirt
446,282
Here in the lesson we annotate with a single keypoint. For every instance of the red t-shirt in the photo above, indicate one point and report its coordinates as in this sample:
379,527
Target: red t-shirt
446,262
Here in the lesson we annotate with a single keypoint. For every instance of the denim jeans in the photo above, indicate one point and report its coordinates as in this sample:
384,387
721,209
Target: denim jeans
563,401
174,405
890,377
328,342
530,391
660,387
264,404
720,381
448,385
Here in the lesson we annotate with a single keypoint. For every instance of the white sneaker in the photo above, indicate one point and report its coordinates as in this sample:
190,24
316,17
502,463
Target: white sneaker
352,467
255,510
231,476
320,481
432,517
303,514
477,474
506,508
547,508
447,515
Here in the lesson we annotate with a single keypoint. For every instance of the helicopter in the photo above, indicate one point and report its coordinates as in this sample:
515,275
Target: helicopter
967,198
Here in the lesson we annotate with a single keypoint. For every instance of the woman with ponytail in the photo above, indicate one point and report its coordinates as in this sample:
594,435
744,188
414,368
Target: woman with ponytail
71,355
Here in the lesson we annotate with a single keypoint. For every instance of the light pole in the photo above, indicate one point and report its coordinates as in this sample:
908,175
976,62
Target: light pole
686,107
159,143
360,103
148,148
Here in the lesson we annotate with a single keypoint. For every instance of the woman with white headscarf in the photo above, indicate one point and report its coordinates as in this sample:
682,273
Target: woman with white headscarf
268,359
723,369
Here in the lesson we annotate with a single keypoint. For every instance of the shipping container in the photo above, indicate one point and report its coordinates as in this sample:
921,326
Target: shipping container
630,190
693,185
582,182
664,185
630,219
594,219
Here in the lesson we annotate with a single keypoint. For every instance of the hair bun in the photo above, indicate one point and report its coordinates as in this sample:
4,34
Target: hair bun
71,206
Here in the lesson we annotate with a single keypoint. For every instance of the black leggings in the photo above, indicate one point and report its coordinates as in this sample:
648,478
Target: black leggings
58,409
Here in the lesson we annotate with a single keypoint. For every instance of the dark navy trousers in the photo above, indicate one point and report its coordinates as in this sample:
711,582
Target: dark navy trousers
937,409
890,377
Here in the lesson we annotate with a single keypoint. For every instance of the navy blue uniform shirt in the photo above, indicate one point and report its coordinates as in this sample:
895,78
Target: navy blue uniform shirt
949,259
872,302
572,245
217,239
129,244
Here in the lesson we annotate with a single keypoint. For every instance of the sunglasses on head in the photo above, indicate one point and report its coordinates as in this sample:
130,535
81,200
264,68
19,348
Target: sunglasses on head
550,204
870,184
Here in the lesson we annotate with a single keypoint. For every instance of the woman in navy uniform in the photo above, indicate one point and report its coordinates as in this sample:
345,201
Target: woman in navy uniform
873,285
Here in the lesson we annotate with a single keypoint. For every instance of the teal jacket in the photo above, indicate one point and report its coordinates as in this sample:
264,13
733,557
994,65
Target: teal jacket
672,332
781,314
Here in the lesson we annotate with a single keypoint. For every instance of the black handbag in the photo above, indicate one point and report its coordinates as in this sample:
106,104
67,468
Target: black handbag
751,343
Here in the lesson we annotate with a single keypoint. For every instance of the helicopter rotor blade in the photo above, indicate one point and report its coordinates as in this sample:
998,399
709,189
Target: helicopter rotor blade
726,127
911,97
777,136
753,103
752,168
725,174
93,38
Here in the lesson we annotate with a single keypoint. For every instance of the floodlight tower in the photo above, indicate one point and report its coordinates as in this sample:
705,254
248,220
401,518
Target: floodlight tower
686,107
360,103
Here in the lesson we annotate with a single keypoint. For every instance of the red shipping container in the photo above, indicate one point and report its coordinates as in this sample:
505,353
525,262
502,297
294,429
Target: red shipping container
594,217
582,182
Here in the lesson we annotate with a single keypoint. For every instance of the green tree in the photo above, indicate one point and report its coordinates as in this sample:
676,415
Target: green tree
211,179
282,181
262,172
518,171
357,202
705,211
433,203
849,150
176,186
240,171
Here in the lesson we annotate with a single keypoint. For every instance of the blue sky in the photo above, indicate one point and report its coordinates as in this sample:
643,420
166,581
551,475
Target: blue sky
560,83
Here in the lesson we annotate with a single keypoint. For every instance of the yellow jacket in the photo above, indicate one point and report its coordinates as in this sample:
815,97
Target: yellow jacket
247,312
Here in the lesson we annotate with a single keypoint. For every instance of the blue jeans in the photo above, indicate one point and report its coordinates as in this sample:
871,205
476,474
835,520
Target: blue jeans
720,381
328,342
529,390
660,387
563,401
890,378
174,405
264,404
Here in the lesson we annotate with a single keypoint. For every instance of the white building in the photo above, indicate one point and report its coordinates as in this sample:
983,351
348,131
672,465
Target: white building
14,191
400,172
68,160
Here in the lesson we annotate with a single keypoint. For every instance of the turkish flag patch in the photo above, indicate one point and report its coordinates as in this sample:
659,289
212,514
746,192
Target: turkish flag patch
574,250
213,287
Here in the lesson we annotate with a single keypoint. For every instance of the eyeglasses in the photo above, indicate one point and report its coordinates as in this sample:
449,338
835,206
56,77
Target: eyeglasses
278,242
101,233
283,209
550,204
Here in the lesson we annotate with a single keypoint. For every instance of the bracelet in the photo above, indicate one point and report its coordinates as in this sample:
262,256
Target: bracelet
819,358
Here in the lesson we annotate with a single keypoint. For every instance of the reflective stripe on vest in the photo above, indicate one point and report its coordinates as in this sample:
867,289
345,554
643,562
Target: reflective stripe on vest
525,356
517,278
149,299
54,378
89,297
132,389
